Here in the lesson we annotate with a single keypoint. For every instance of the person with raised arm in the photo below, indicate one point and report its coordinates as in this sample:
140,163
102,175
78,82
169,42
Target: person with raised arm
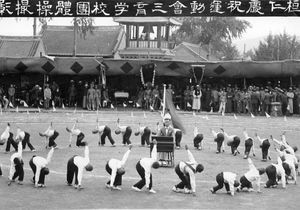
39,168
228,179
74,131
248,144
275,171
116,170
16,166
251,177
289,164
145,133
219,138
233,141
76,166
103,131
8,137
126,132
186,172
50,134
264,145
24,137
144,167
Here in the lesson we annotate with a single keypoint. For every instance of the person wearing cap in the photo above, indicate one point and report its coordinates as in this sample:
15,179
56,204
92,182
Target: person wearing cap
273,172
103,131
233,141
197,94
264,145
144,167
16,166
229,180
126,132
39,168
25,138
167,129
219,139
76,132
198,137
75,166
116,170
50,134
290,95
186,172
248,144
251,177
145,133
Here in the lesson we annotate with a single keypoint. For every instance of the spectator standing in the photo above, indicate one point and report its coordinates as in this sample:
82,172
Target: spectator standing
215,99
186,97
191,95
84,97
91,97
197,99
72,94
147,97
266,103
297,96
222,96
47,96
229,99
11,94
290,95
155,98
97,97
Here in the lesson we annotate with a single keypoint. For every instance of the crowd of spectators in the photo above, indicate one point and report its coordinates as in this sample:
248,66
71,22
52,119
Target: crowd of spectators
207,97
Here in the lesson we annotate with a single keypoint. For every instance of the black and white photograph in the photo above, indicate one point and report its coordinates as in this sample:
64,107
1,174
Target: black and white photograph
154,104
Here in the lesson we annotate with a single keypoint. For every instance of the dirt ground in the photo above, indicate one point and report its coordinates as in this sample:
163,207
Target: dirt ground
57,195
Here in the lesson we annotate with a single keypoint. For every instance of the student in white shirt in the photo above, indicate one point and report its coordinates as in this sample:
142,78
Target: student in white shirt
198,137
144,167
186,172
8,137
251,177
76,165
233,142
76,132
275,171
39,168
125,131
25,138
219,138
145,133
264,145
50,134
16,166
116,170
289,164
248,145
103,131
228,179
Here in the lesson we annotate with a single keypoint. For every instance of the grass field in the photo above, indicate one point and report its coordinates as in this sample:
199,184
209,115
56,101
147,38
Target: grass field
57,195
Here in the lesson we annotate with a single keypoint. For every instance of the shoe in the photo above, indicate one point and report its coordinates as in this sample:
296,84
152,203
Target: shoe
250,190
235,153
238,189
212,190
136,189
217,152
177,147
33,150
187,191
152,191
116,188
174,189
113,145
107,186
20,183
264,160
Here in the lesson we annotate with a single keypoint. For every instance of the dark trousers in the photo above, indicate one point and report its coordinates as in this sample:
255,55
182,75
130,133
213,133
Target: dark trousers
10,141
140,184
72,170
126,135
42,173
272,176
221,183
185,179
178,136
19,171
219,144
79,142
107,133
265,149
26,140
235,144
118,178
0,171
245,183
197,140
248,146
52,138
145,138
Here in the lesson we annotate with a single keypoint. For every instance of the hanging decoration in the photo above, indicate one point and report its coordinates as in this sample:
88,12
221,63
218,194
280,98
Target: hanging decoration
142,76
148,67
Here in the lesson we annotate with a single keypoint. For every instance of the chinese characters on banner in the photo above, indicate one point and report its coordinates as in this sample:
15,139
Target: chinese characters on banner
132,8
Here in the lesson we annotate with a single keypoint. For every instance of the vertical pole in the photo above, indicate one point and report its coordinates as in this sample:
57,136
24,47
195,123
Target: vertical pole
245,84
164,98
291,81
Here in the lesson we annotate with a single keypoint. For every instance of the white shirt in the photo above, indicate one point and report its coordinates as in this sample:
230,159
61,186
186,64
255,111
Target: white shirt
49,132
40,163
280,171
12,164
146,163
253,174
5,134
20,135
229,178
115,164
100,128
81,162
188,171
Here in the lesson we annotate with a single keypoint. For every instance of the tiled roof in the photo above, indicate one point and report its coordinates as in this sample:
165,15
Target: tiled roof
103,41
17,46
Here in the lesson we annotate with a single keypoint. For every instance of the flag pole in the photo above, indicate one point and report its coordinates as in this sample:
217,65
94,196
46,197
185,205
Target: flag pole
164,98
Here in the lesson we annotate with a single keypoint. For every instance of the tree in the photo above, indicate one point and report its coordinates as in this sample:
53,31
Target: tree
215,32
278,47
